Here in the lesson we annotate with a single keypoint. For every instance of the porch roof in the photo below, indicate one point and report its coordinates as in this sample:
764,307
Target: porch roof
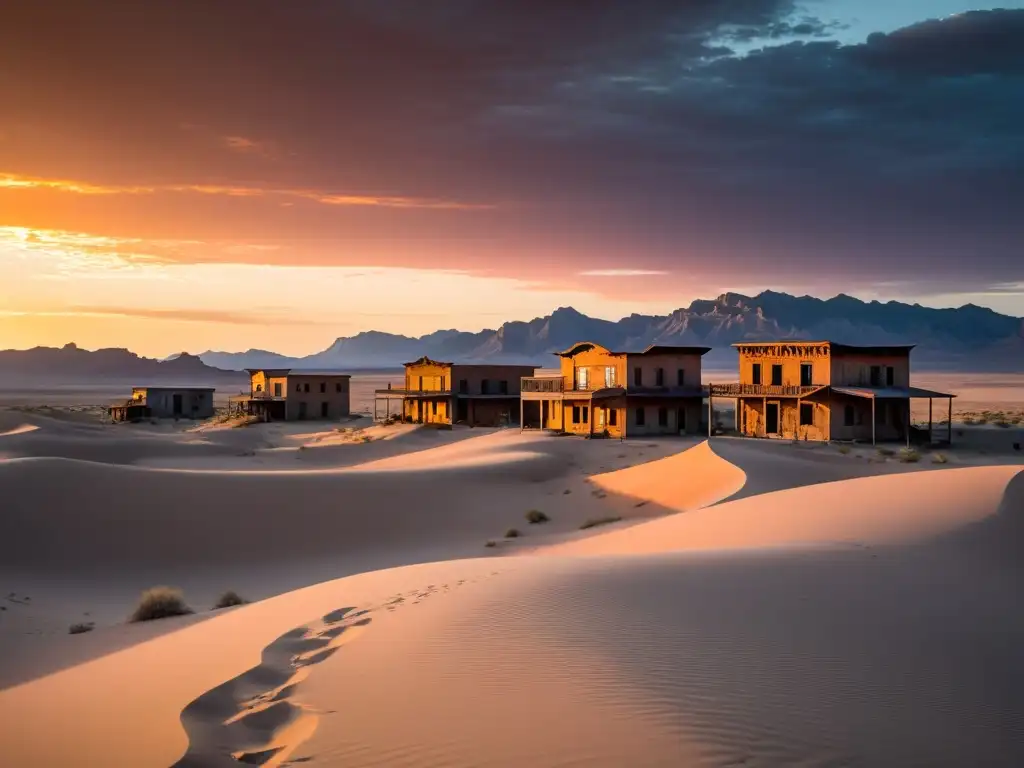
891,393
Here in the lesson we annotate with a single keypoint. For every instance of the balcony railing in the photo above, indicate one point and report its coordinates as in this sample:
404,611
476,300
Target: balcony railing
762,390
542,384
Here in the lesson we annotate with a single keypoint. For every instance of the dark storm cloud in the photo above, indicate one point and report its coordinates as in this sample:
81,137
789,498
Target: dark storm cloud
616,127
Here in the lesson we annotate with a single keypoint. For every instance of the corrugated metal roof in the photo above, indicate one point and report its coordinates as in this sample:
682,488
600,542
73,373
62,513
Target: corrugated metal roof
889,393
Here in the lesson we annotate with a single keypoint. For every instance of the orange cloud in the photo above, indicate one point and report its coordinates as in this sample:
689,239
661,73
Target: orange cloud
323,197
246,146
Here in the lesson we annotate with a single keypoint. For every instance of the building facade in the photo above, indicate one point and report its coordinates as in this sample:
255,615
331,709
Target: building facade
598,392
445,394
288,395
826,391
165,403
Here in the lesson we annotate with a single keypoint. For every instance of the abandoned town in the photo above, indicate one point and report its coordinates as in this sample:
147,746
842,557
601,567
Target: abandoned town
494,384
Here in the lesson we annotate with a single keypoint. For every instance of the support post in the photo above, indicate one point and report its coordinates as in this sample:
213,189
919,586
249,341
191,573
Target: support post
522,424
931,437
951,422
711,411
375,410
908,423
874,440
764,418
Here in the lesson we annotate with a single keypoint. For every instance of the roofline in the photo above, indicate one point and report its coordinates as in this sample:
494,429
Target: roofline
427,361
281,371
835,344
651,349
183,389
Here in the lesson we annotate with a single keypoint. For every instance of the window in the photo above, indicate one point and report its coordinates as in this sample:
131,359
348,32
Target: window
609,376
259,387
881,410
442,384
503,387
575,414
485,386
806,414
806,374
420,386
848,414
876,375
680,378
638,377
277,389
305,387
298,387
463,386
337,386
582,378
776,375
663,417
433,408
755,373
659,377
613,417
890,376
323,387
640,419
585,410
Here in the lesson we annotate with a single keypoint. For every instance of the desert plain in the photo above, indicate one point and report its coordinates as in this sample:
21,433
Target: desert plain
675,601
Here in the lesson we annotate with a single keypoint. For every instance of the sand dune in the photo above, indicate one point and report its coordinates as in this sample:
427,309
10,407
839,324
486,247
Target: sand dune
19,430
764,630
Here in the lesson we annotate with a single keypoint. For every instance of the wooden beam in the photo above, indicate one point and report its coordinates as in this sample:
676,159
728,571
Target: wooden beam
874,440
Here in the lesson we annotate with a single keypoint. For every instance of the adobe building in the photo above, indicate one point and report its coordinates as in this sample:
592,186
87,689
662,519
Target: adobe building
165,403
283,394
598,392
444,394
802,390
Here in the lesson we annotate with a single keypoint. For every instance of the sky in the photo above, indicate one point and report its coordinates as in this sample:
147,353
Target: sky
227,175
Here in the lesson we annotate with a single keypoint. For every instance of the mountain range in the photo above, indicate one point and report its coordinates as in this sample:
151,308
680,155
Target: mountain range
969,337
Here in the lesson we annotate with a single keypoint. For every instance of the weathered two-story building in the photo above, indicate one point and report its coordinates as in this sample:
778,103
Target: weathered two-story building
451,393
283,394
802,390
596,391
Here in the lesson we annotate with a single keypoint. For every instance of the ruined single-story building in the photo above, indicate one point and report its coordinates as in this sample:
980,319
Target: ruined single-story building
165,403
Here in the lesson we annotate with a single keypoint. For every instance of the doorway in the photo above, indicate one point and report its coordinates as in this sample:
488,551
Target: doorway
324,410
302,410
599,419
681,420
178,408
771,419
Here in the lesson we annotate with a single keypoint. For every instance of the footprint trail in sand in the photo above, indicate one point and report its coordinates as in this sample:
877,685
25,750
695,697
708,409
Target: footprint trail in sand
256,718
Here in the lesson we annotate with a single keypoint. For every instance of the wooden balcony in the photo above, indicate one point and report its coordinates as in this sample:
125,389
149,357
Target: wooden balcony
762,390
542,384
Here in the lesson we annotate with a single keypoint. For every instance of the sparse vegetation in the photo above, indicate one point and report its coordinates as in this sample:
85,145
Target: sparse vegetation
491,543
909,456
886,452
844,449
535,516
596,521
940,458
512,533
81,628
160,603
228,600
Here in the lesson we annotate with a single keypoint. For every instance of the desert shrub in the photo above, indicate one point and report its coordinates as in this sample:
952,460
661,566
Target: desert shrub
535,516
844,449
886,452
512,533
909,456
160,603
491,543
228,600
970,421
1002,423
596,521
940,458
82,628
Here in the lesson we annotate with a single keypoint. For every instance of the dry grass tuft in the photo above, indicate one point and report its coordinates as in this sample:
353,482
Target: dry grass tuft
160,603
228,600
909,456
940,458
491,543
512,533
535,516
81,629
596,521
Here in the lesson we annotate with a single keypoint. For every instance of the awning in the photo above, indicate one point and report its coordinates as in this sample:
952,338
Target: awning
890,393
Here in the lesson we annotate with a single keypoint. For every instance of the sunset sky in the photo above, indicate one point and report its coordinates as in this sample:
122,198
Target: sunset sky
227,174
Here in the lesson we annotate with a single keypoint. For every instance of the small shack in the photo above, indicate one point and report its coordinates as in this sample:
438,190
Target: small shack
165,403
